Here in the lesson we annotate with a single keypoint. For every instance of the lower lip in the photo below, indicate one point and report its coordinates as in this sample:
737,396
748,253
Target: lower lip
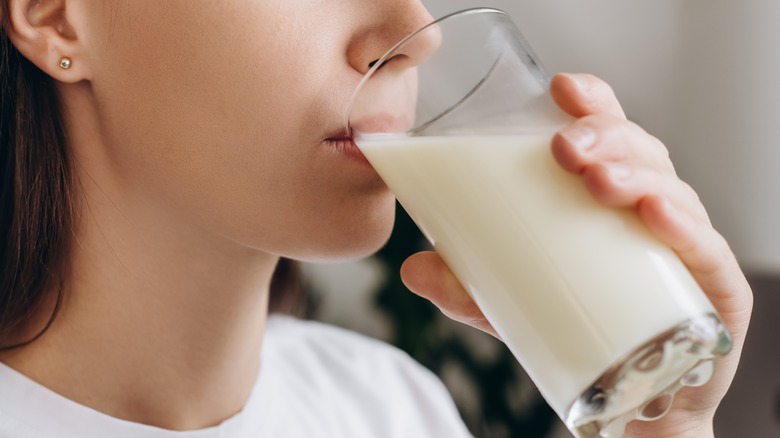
348,148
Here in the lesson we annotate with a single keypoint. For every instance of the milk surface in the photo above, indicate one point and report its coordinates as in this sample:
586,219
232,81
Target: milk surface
570,285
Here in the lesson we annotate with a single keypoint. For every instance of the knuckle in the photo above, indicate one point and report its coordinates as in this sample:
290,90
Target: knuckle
601,183
643,146
614,138
600,93
608,125
687,196
602,121
713,248
659,147
720,246
690,192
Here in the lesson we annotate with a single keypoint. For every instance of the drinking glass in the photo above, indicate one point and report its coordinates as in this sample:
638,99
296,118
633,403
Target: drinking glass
606,320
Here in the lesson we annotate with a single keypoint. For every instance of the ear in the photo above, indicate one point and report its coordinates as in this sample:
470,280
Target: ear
42,32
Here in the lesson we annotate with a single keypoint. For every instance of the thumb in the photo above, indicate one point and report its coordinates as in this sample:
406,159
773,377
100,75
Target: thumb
428,276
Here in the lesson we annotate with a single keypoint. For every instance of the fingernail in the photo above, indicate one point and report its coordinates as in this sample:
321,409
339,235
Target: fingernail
582,82
581,137
619,172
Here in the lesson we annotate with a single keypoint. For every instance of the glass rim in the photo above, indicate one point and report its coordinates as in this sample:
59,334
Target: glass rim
388,54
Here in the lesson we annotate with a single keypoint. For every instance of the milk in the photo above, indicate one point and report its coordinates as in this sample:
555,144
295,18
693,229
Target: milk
571,286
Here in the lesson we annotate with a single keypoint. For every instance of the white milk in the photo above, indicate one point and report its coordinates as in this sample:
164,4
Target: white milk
570,285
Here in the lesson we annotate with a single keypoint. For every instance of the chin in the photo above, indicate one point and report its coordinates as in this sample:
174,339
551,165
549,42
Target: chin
343,244
365,250
352,248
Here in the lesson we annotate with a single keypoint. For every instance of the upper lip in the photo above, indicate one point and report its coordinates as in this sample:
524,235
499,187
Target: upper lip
381,123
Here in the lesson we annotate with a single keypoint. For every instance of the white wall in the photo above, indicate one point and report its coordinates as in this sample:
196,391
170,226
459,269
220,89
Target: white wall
698,74
633,45
730,121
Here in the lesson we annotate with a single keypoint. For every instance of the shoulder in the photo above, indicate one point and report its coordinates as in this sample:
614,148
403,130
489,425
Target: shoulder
383,387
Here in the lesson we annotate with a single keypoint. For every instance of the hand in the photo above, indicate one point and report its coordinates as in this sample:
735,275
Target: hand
623,166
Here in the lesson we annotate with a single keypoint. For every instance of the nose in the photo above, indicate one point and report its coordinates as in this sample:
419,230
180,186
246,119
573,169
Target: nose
389,22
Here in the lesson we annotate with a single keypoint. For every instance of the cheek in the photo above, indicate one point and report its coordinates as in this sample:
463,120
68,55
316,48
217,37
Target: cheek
238,96
217,130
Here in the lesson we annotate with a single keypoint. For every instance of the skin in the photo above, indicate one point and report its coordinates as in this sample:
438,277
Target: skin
199,133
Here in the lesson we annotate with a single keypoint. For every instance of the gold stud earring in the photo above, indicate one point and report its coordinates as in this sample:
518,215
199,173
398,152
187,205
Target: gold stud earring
65,63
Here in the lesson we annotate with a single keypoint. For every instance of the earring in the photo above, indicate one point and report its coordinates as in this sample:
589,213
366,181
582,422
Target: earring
65,63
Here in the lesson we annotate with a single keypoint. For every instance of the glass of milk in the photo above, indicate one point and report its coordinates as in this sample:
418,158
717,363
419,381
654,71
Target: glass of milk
457,120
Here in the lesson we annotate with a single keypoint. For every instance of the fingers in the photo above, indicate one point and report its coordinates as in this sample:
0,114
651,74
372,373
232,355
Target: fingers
623,166
704,251
678,230
427,275
581,94
620,163
606,138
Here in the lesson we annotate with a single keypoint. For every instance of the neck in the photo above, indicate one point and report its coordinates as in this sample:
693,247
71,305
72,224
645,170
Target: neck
166,323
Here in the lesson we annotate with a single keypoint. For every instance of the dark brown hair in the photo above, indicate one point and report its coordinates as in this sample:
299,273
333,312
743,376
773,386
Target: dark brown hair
36,203
35,181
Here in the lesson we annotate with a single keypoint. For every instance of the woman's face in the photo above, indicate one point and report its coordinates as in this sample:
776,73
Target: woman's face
217,114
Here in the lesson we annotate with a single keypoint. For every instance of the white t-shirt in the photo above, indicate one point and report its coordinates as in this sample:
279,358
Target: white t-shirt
316,381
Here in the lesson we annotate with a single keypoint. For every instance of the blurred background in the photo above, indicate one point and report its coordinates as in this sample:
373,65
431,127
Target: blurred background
702,75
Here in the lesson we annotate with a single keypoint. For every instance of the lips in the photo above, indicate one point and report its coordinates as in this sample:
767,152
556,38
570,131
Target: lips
343,140
344,143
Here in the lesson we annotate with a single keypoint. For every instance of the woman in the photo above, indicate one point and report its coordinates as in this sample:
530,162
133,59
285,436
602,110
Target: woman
160,157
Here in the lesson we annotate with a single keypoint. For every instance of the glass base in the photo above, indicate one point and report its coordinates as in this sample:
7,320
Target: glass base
643,385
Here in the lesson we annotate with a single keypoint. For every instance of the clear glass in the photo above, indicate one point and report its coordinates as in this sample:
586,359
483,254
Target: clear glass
457,119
